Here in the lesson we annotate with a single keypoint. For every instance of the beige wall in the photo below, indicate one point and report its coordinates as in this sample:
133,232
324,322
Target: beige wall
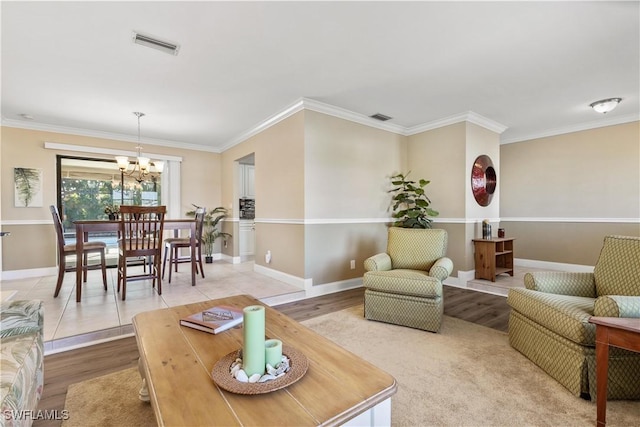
439,156
561,195
347,170
200,184
279,186
445,157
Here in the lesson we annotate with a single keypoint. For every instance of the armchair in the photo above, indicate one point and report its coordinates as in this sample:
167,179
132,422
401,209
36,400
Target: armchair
549,320
404,284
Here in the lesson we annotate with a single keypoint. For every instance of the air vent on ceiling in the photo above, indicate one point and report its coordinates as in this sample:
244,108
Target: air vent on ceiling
155,43
380,117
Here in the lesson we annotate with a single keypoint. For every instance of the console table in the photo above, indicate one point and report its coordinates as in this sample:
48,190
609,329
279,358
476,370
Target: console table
493,257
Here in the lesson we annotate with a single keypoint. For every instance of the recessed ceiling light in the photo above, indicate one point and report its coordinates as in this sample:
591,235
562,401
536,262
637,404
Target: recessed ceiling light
154,43
380,117
605,105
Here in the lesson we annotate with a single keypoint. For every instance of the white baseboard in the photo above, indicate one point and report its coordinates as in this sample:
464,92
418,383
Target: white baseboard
462,279
330,288
28,273
547,265
284,277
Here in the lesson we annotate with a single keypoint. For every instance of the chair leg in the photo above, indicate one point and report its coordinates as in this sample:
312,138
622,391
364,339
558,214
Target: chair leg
156,262
61,267
103,264
175,258
164,262
171,260
124,279
85,260
200,261
120,263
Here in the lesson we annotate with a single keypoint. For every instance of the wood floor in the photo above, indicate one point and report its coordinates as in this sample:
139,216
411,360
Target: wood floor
63,369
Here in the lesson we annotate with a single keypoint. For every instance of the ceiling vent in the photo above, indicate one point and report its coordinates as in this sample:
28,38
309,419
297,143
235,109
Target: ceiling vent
380,117
154,43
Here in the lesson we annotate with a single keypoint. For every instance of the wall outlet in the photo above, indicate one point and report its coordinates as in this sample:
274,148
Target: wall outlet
353,264
267,257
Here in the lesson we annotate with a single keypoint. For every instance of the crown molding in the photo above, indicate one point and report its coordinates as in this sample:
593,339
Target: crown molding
341,113
104,135
469,116
609,121
288,111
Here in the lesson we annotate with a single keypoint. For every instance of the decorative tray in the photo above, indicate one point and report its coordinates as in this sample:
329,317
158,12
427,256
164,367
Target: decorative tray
222,377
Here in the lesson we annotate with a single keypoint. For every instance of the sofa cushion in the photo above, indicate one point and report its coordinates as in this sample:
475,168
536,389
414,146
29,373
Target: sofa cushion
21,358
565,315
404,282
617,271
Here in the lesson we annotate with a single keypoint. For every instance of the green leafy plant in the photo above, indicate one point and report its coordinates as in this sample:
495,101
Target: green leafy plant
410,203
210,230
111,209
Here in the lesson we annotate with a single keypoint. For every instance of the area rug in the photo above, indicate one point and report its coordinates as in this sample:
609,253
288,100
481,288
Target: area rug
466,375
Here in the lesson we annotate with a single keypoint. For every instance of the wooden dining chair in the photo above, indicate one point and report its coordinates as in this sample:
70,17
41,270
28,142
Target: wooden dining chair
140,235
64,250
172,246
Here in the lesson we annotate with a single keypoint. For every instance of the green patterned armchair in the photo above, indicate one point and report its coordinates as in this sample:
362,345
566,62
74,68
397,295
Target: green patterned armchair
404,284
549,320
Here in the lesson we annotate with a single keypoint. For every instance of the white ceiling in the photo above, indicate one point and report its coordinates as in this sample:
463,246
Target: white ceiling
532,67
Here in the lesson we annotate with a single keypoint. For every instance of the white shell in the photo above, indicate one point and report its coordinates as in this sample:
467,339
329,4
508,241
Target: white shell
241,376
254,378
235,369
266,377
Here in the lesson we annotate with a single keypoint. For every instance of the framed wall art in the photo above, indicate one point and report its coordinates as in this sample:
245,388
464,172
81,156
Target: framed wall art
27,187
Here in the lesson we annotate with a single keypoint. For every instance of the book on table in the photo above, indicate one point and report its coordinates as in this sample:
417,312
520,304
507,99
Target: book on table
215,319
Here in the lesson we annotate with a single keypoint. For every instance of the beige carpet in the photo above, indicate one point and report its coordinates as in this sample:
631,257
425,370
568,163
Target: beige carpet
467,375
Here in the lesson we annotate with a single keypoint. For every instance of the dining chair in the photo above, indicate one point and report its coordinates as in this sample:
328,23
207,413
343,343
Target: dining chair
64,250
140,235
172,246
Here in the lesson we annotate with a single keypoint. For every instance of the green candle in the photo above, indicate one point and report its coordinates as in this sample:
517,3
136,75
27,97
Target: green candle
273,352
253,354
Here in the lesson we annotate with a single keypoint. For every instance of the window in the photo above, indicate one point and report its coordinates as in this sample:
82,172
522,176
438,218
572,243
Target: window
86,186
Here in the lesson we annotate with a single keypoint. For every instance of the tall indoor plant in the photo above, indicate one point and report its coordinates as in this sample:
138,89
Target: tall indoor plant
410,203
210,230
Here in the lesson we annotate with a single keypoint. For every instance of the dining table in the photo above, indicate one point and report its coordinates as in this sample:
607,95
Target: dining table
85,227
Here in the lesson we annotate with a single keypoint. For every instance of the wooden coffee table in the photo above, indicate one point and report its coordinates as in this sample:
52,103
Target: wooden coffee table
617,332
176,362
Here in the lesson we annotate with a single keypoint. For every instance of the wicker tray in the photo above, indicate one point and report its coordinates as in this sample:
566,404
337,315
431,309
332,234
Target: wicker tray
298,367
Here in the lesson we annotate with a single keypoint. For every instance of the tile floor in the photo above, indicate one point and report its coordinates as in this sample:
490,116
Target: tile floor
102,315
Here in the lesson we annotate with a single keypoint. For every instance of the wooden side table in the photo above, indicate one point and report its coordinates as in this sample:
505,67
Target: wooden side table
617,332
493,257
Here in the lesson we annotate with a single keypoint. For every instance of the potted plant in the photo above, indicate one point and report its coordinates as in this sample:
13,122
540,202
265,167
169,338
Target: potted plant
112,211
210,230
410,203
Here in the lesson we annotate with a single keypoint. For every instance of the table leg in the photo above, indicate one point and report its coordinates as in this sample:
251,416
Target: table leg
602,369
79,259
143,394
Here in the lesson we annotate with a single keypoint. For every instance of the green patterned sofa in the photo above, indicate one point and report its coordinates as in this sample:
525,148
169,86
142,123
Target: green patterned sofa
404,284
549,320
22,361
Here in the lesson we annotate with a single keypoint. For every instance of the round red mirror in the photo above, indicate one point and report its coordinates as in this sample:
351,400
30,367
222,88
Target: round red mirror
483,180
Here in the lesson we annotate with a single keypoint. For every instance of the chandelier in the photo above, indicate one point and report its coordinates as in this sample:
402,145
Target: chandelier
142,168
